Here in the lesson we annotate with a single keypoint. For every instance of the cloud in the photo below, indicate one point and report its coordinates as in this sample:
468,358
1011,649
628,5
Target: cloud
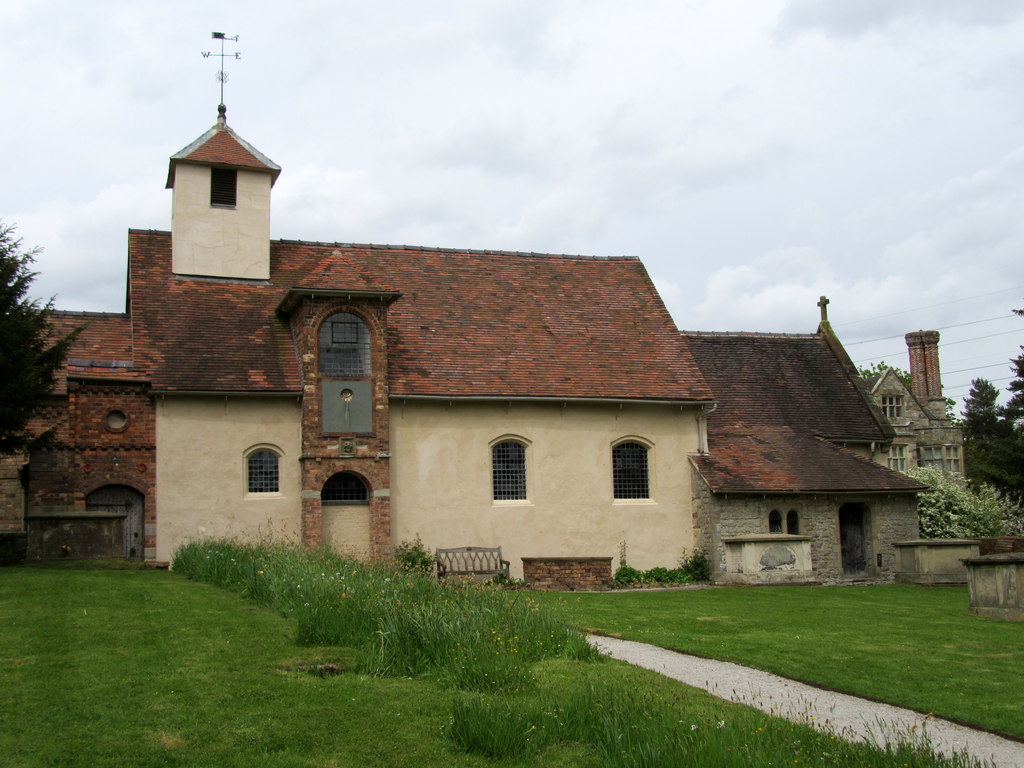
853,19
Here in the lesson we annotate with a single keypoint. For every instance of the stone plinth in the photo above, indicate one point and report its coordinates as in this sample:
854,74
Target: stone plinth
568,573
996,584
771,558
934,561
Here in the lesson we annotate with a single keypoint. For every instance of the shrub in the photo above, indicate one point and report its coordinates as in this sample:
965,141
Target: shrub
950,509
696,567
413,556
627,574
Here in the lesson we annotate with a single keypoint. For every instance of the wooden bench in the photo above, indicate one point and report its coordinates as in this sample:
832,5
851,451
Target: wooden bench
471,561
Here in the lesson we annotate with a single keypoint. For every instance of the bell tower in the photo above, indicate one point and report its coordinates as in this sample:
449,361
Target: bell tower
220,214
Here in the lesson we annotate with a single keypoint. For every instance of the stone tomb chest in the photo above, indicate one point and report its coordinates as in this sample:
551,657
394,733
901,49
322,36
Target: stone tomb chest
770,558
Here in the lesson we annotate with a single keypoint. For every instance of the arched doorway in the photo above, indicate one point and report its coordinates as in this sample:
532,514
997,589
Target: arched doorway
126,505
345,504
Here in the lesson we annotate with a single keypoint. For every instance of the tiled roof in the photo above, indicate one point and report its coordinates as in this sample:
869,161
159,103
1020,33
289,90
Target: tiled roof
782,460
466,323
103,349
223,147
789,380
781,399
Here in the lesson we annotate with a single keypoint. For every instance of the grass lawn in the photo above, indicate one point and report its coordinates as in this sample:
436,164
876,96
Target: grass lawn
144,668
112,668
908,645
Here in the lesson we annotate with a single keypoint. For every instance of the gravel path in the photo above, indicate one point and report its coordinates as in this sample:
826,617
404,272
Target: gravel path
847,716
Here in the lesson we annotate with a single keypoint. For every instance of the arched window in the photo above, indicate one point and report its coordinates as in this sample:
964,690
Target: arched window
262,472
508,471
774,521
629,471
792,522
345,488
344,346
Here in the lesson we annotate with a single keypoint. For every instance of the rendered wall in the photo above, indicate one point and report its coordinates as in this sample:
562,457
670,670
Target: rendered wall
220,242
441,479
201,468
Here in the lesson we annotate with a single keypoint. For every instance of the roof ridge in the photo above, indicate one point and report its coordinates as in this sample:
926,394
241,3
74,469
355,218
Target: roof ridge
87,313
438,249
752,334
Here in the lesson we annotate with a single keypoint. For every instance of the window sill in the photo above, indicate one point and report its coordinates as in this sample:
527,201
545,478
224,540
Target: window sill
633,502
511,503
249,495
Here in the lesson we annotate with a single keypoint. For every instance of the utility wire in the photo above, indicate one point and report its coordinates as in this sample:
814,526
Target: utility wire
930,306
941,328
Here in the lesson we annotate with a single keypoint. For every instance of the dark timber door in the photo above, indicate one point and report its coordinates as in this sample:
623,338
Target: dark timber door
120,500
851,539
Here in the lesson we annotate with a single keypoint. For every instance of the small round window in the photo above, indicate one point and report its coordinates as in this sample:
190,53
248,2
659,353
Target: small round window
116,421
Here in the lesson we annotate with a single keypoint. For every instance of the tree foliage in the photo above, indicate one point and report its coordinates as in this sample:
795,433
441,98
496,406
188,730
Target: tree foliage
950,509
877,369
994,434
28,356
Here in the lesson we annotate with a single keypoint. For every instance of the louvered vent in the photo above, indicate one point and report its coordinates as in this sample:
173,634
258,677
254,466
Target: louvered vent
223,187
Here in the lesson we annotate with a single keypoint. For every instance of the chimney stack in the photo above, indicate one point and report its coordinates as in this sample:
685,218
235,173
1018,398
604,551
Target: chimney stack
926,385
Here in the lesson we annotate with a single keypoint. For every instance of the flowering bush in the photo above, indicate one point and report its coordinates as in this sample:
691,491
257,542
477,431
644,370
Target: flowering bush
950,509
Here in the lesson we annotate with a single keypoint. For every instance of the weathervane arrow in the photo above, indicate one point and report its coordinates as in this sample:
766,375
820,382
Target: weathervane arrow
222,75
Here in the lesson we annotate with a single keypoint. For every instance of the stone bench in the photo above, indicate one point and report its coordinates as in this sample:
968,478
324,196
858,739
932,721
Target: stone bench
471,562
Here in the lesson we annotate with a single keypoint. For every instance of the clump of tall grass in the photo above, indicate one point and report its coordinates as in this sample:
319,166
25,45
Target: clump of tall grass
627,728
467,635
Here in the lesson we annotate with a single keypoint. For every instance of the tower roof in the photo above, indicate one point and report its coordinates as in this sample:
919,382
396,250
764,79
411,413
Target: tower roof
222,147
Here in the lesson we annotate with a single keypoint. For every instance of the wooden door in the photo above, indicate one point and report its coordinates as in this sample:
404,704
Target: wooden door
852,542
126,503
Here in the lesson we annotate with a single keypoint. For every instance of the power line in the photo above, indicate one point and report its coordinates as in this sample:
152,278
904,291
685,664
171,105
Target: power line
943,344
930,306
941,328
955,387
979,367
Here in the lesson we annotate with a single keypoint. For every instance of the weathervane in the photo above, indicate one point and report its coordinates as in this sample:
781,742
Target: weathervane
222,75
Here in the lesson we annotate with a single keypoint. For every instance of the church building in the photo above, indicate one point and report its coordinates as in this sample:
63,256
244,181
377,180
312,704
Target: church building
357,396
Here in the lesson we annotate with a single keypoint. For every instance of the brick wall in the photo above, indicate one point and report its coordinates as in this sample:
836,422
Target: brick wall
106,436
323,455
568,573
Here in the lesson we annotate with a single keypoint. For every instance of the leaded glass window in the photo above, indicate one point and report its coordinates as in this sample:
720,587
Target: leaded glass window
508,471
344,488
344,346
263,472
629,471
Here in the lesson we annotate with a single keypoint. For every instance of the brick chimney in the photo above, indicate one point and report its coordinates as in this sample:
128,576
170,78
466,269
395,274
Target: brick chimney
925,383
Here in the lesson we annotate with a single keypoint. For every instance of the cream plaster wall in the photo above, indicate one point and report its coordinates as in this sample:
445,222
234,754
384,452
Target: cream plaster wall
201,468
441,479
220,242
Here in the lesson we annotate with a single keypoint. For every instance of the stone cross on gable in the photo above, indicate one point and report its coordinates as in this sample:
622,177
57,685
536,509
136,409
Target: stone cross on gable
823,303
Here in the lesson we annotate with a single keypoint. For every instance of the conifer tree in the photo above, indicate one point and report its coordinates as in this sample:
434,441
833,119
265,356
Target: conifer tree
28,357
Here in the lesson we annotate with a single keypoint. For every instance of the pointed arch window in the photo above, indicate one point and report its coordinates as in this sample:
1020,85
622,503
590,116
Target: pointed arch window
344,346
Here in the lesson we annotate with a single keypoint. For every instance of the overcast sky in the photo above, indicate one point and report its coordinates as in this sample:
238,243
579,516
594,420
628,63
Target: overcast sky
755,154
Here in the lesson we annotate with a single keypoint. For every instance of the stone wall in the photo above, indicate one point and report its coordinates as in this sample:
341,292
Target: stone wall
12,495
568,573
889,518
